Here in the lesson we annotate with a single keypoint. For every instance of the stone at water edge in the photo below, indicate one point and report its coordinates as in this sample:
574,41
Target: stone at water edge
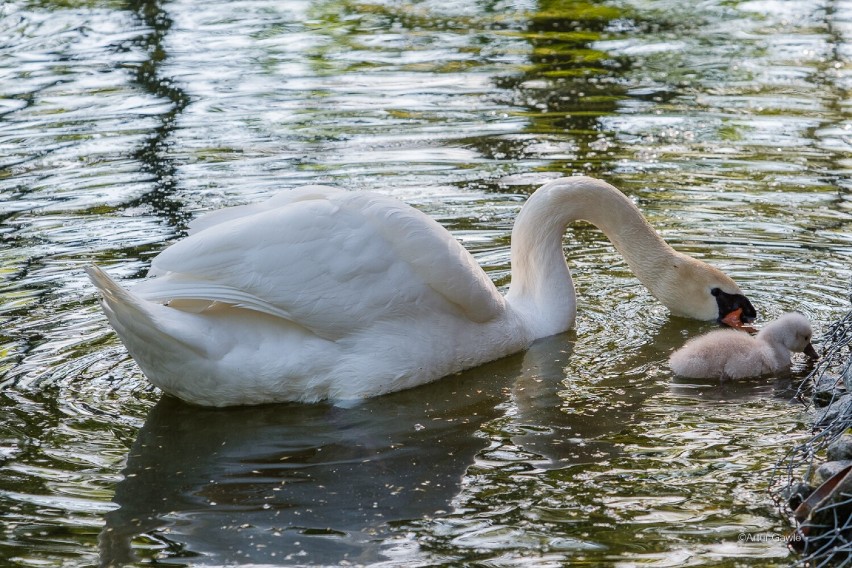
840,449
840,407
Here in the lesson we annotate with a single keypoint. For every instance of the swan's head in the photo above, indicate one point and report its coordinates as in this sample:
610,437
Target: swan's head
695,289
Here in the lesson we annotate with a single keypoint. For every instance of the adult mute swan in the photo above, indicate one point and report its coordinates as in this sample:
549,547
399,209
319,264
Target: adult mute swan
320,293
732,354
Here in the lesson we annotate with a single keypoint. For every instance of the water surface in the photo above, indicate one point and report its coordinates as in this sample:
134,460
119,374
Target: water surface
120,121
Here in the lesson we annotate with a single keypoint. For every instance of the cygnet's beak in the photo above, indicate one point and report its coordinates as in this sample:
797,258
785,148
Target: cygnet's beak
811,352
734,319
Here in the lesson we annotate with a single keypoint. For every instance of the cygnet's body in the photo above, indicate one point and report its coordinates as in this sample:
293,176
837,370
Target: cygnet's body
732,354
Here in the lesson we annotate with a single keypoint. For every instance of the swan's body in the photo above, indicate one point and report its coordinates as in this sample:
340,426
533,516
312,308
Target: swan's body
320,293
732,354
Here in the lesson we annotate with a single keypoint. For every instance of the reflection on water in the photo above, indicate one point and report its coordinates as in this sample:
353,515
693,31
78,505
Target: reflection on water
120,120
297,483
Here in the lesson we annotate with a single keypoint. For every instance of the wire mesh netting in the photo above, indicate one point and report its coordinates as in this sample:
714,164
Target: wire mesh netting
812,483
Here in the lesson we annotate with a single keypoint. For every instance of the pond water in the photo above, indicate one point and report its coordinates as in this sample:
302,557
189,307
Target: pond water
729,122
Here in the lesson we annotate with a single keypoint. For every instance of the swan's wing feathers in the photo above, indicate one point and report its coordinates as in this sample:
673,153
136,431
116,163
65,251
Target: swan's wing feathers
332,263
438,258
168,289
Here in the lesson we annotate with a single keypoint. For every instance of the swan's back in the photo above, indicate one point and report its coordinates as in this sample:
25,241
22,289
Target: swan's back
330,261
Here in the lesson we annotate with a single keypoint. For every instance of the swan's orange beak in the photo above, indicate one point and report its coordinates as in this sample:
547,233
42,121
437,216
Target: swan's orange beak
734,319
734,309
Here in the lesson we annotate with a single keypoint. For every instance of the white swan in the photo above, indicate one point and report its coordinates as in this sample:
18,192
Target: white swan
732,354
319,293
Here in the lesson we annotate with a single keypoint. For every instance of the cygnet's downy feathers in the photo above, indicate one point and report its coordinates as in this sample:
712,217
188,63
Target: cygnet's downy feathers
731,354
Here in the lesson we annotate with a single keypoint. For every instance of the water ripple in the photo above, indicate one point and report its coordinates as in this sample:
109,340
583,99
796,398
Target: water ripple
728,124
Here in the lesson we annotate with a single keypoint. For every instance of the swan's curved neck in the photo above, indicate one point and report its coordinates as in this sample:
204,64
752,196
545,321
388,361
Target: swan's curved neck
541,282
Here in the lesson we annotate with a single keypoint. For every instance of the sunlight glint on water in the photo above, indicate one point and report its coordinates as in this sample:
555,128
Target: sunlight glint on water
727,122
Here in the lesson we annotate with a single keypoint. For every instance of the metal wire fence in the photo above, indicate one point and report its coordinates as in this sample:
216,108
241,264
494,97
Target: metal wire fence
817,502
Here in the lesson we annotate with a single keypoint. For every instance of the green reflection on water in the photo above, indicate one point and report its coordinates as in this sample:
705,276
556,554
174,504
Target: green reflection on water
582,450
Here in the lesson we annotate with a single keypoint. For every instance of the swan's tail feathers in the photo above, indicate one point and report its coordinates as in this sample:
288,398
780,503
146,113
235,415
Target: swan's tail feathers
127,314
118,303
144,327
109,288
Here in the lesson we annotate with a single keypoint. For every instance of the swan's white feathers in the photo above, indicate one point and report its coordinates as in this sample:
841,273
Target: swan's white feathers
332,262
320,293
178,287
133,318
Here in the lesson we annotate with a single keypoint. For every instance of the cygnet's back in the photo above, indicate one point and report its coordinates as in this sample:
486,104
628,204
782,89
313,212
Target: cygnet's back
731,354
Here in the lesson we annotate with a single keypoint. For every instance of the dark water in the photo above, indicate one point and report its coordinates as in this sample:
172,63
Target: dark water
728,122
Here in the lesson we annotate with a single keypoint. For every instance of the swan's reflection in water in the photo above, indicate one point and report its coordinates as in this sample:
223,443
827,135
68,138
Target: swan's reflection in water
319,484
568,419
304,483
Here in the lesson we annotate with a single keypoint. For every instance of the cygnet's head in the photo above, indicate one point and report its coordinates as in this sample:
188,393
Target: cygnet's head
793,331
